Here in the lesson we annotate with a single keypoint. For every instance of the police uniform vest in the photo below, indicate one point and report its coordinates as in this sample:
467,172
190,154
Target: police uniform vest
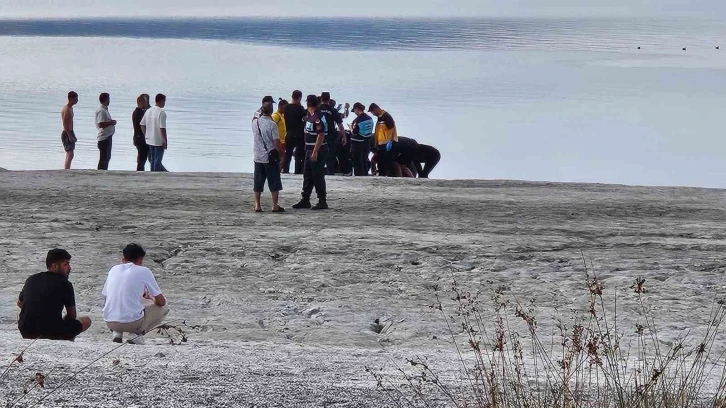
311,132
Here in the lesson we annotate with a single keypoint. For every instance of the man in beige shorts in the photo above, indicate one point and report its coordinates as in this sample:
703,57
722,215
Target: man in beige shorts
134,303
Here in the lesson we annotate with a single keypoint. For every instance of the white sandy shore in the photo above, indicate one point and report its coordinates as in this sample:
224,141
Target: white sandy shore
282,304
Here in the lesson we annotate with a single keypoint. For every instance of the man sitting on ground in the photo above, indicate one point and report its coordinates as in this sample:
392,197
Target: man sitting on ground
43,298
134,302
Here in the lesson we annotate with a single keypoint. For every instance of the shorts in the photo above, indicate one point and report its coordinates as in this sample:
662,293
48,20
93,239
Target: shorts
65,330
68,144
269,172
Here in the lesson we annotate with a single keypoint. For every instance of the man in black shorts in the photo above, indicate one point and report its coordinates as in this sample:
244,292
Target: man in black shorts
43,298
68,137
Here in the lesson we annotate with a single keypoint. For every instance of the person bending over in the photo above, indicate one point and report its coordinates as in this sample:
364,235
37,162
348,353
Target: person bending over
43,298
133,300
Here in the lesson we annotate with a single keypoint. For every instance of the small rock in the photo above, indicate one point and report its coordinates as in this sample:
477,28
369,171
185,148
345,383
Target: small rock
311,311
116,362
159,355
415,263
434,338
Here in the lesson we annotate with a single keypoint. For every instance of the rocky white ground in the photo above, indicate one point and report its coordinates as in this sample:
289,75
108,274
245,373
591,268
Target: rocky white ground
278,307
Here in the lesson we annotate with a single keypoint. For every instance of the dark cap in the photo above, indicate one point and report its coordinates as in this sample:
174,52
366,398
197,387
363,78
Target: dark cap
359,106
373,106
269,99
325,96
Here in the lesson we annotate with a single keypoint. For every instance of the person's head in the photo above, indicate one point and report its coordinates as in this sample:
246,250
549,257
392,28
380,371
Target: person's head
359,108
72,98
374,109
134,253
333,103
296,96
105,99
325,98
160,100
281,105
268,99
267,109
58,261
142,101
312,101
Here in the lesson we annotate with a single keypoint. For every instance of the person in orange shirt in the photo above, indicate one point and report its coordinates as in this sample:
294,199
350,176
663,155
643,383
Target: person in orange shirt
279,118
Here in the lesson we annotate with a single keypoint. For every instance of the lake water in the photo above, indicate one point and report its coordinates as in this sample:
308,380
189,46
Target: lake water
534,99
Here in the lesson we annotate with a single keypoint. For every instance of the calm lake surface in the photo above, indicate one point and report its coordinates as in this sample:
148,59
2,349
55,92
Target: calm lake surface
536,99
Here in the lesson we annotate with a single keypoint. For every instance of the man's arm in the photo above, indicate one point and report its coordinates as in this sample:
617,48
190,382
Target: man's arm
162,126
71,313
163,136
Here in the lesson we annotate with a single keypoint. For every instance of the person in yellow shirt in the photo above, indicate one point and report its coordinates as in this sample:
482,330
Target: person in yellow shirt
279,118
386,139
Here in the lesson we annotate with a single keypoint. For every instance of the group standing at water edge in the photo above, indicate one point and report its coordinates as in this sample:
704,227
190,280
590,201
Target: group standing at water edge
346,151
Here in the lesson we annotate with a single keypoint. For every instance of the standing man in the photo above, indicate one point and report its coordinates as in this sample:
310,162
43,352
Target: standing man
68,136
106,128
332,118
142,149
386,137
316,150
266,139
133,300
43,298
153,126
295,115
279,118
360,139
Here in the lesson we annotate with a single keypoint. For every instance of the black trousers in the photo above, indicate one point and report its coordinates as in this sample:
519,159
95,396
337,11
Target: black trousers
299,153
331,162
104,149
314,175
386,160
360,152
142,150
430,161
345,163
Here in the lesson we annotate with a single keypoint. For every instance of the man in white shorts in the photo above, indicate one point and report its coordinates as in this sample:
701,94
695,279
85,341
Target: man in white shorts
134,303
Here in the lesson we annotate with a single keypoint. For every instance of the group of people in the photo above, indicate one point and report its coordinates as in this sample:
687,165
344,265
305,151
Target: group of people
345,151
315,138
133,301
149,124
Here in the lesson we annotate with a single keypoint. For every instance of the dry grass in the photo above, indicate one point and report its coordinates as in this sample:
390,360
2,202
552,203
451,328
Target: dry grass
506,362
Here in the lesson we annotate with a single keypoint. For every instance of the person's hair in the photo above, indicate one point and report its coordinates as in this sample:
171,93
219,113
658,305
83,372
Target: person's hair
282,103
141,101
267,109
72,94
103,97
313,101
160,98
373,106
325,97
134,252
296,95
359,106
56,255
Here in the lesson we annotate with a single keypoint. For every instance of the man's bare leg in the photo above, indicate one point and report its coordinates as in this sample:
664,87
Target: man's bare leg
258,206
85,322
275,200
69,159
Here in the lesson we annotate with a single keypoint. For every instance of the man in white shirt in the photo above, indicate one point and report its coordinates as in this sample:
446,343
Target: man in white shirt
133,300
106,128
153,125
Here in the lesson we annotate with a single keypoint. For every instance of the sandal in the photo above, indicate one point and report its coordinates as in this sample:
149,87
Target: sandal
278,210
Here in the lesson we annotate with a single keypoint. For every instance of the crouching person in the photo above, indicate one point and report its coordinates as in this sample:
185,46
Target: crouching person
134,303
43,298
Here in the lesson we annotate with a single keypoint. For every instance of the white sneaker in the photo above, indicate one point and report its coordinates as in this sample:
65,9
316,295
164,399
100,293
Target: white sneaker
118,337
137,340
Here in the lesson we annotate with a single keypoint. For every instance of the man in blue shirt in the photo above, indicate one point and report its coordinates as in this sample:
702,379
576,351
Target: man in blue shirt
361,138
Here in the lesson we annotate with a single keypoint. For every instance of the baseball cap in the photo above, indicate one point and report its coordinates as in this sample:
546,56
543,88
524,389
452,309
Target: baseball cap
269,99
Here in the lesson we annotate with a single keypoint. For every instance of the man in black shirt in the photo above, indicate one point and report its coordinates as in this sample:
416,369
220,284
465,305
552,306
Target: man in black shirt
333,118
295,115
142,104
43,298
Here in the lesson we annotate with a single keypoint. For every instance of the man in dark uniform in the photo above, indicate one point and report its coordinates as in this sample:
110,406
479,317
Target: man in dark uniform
333,118
295,141
316,151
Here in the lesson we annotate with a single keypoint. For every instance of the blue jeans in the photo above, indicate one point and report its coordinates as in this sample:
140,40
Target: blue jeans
156,154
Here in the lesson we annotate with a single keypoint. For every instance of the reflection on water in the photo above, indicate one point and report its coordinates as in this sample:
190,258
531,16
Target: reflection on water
542,99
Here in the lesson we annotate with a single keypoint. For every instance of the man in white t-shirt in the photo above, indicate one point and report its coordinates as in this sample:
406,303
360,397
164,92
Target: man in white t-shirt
106,128
133,300
153,125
